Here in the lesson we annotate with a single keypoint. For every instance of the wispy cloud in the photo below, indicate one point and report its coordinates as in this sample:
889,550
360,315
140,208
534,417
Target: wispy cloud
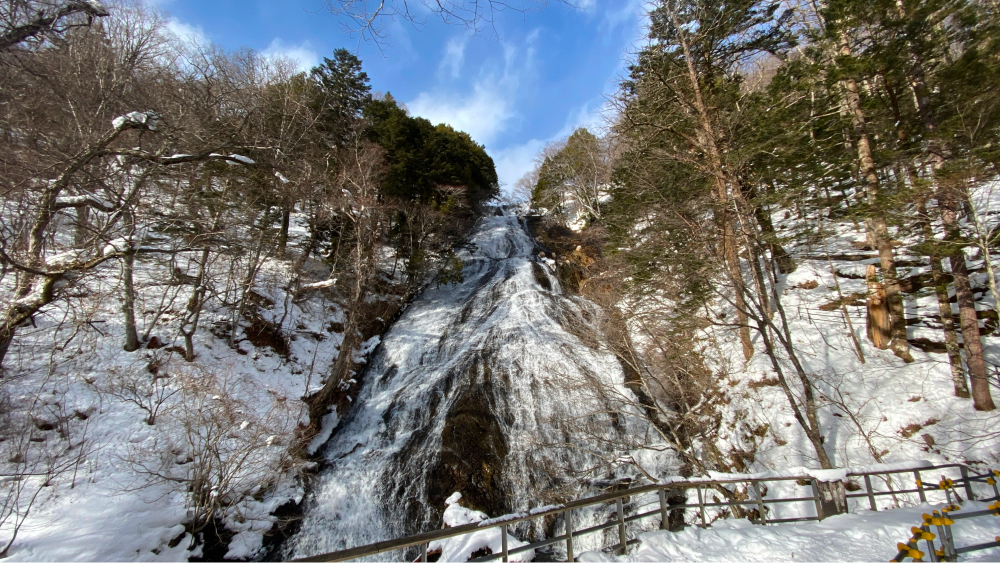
488,109
630,13
454,57
514,162
187,32
303,56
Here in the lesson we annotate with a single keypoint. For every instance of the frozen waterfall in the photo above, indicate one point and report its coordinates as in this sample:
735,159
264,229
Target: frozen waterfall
484,387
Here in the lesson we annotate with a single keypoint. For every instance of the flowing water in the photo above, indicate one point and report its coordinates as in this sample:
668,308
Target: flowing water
485,387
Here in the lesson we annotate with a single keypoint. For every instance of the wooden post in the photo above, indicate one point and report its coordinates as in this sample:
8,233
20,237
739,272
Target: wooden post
503,540
871,493
760,503
968,483
920,485
664,519
701,508
831,498
622,538
816,499
569,534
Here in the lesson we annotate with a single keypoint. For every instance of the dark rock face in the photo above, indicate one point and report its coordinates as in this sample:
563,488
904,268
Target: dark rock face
473,449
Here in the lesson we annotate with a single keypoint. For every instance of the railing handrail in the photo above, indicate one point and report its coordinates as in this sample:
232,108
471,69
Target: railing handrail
678,483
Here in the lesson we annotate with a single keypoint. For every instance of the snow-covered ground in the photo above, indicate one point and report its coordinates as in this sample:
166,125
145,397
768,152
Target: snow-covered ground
865,536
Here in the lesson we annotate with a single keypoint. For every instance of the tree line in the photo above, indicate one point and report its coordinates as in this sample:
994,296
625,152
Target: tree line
882,113
172,184
116,135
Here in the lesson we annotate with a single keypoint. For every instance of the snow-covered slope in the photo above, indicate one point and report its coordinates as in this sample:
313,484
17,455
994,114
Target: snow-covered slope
113,487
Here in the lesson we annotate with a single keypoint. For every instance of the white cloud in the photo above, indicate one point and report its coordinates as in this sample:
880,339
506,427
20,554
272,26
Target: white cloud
187,32
514,162
483,114
631,13
454,56
486,111
302,55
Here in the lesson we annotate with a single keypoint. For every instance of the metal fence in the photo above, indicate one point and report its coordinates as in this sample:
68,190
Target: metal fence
869,488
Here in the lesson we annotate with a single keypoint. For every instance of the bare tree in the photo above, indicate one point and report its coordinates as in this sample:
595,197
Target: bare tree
218,444
368,18
366,221
24,21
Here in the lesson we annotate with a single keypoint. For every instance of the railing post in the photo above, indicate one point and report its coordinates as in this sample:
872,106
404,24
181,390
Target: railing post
664,519
424,558
968,483
816,499
701,508
760,503
622,538
569,535
503,541
871,493
920,486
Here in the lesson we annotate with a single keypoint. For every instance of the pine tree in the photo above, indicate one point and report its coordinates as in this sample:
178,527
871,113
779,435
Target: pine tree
344,92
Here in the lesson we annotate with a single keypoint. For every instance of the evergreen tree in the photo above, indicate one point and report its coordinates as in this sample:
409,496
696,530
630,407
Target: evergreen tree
343,94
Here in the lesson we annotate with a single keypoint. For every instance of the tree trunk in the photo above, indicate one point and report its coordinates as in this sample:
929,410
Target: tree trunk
944,301
950,334
708,142
968,319
732,259
193,309
23,309
82,227
128,306
286,217
878,320
937,152
786,264
878,231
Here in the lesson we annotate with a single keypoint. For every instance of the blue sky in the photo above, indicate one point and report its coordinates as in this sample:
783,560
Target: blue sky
530,79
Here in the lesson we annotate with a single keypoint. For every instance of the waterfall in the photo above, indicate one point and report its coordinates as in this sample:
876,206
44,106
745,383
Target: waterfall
485,387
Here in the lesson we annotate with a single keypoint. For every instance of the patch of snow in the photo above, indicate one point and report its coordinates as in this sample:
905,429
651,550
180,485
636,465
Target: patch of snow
147,120
321,284
243,159
327,425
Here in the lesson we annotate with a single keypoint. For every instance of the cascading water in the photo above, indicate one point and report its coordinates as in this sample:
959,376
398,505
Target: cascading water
479,388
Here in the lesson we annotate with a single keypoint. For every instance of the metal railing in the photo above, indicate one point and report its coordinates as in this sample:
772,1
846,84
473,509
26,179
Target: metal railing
738,487
943,521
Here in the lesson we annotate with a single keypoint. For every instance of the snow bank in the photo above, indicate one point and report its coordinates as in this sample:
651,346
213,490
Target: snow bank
867,536
461,548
